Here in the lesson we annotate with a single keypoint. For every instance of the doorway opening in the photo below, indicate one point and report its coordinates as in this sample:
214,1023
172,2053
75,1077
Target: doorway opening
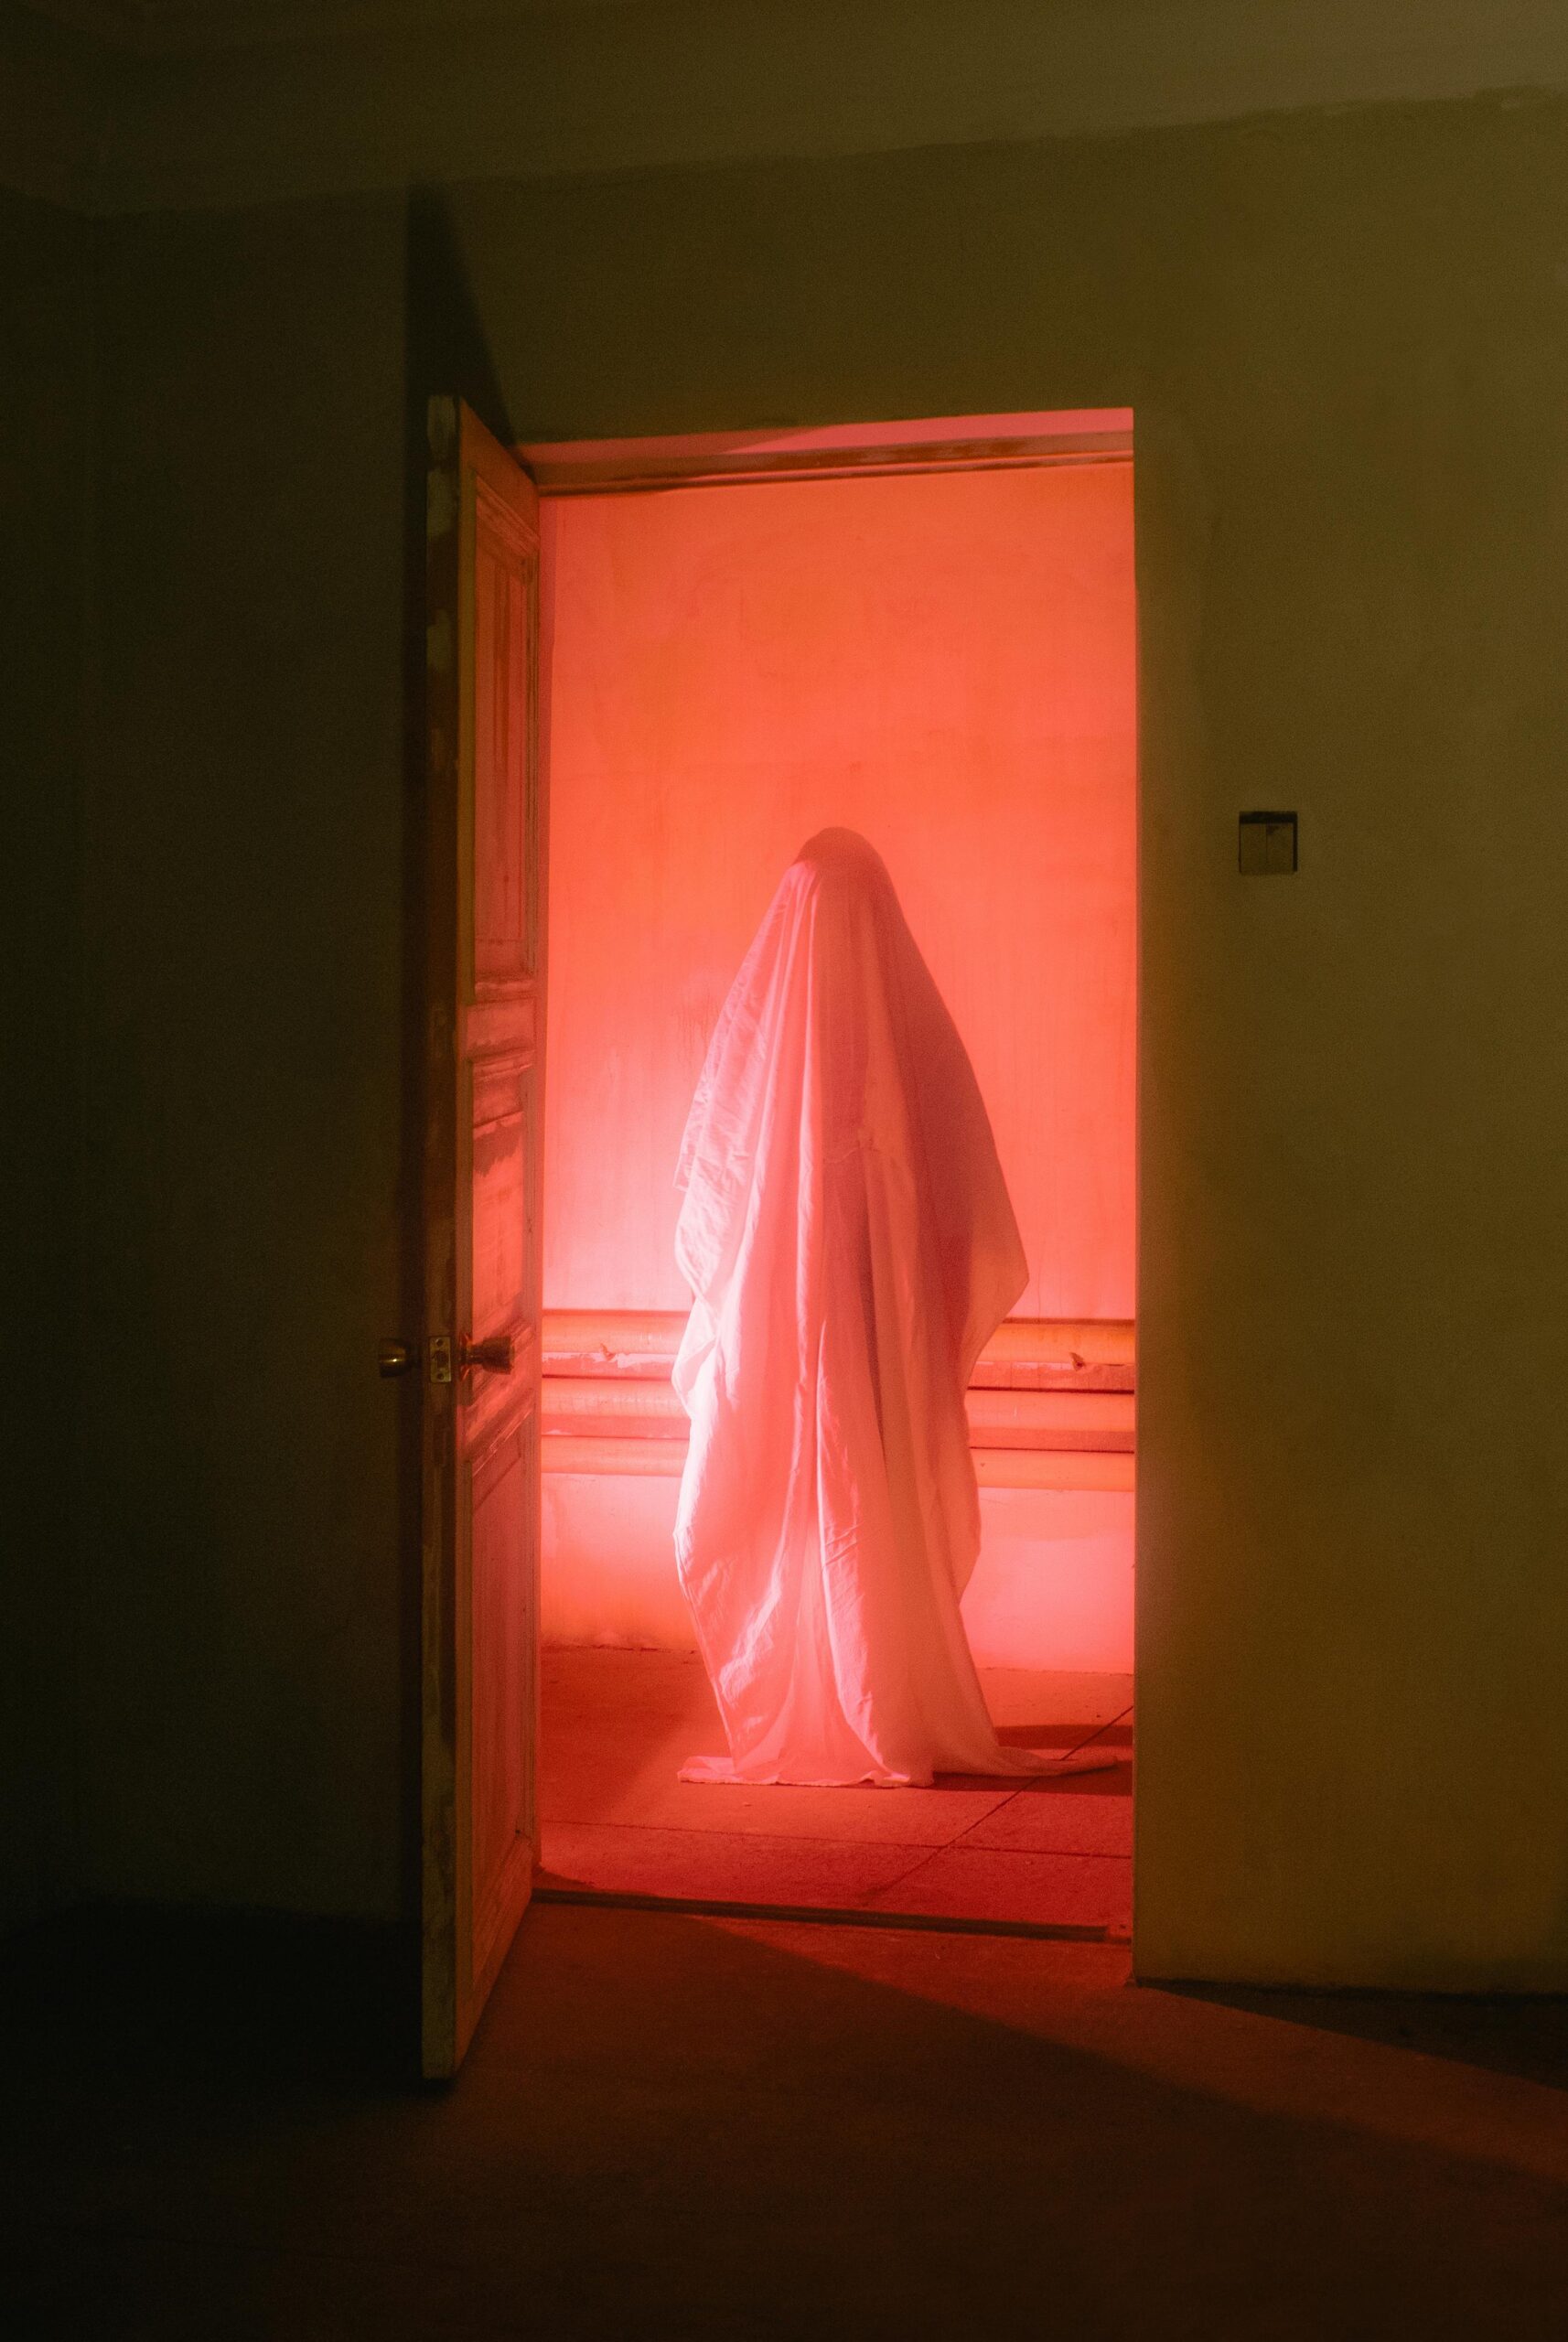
926,633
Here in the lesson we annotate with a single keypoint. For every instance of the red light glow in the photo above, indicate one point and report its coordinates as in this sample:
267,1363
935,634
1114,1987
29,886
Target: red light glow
944,662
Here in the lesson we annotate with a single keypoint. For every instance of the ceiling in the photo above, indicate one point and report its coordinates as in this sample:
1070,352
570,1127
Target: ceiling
129,105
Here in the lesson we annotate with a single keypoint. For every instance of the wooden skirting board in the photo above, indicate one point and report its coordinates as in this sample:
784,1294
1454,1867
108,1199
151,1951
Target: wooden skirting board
994,1468
1050,1402
624,1342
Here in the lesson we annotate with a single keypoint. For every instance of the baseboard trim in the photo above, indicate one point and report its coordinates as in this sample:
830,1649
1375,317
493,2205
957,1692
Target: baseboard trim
815,1915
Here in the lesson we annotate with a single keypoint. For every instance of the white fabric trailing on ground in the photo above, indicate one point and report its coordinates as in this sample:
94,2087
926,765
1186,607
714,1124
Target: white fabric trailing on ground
847,1235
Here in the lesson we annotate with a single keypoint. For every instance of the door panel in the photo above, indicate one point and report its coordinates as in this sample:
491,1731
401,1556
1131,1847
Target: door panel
504,1175
505,695
481,1221
502,1756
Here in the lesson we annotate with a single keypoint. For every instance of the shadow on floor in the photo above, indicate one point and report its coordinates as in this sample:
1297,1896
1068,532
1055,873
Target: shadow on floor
328,2003
676,2127
1518,2034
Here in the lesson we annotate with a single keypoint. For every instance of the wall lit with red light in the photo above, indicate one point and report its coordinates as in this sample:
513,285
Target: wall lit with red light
945,662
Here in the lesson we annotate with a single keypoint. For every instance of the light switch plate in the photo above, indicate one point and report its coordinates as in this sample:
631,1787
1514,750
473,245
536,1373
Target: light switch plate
1267,845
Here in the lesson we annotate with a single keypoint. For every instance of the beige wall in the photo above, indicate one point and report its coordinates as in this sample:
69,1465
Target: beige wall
1346,340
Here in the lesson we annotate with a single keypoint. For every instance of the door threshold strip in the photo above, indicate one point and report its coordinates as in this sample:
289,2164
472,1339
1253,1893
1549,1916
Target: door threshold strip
819,1914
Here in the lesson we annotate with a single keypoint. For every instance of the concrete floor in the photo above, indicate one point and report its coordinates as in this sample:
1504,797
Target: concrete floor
617,1724
690,2128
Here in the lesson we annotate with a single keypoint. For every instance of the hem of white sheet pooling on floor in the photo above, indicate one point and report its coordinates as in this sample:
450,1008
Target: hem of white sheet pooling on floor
720,1771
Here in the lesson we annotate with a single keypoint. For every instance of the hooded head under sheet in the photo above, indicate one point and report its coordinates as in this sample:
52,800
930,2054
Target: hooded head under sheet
850,1245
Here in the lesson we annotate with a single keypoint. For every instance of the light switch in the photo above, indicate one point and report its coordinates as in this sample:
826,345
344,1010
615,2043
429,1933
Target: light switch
1267,845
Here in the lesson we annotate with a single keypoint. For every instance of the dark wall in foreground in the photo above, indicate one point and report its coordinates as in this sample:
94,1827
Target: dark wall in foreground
46,476
1346,340
244,976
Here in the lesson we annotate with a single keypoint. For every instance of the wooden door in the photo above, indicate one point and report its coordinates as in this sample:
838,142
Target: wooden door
484,1048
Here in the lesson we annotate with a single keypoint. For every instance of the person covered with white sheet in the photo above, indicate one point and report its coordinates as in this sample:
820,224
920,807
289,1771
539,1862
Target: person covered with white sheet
847,1235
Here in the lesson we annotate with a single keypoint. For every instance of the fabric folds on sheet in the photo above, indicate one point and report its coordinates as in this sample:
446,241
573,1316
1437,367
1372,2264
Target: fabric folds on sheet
847,1235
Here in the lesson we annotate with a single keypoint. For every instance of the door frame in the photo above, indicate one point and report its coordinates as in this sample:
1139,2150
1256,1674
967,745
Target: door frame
1024,440
1021,442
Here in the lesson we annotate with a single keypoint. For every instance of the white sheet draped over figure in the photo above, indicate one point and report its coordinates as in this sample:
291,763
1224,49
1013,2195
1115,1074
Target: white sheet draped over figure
848,1237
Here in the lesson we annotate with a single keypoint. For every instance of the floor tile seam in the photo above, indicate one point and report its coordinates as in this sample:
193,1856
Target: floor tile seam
1038,1854
638,1815
721,1829
740,1837
874,1915
867,1794
752,1837
890,1885
981,1819
927,1851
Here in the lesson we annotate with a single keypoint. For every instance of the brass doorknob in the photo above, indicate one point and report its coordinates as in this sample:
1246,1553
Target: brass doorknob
393,1358
494,1355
